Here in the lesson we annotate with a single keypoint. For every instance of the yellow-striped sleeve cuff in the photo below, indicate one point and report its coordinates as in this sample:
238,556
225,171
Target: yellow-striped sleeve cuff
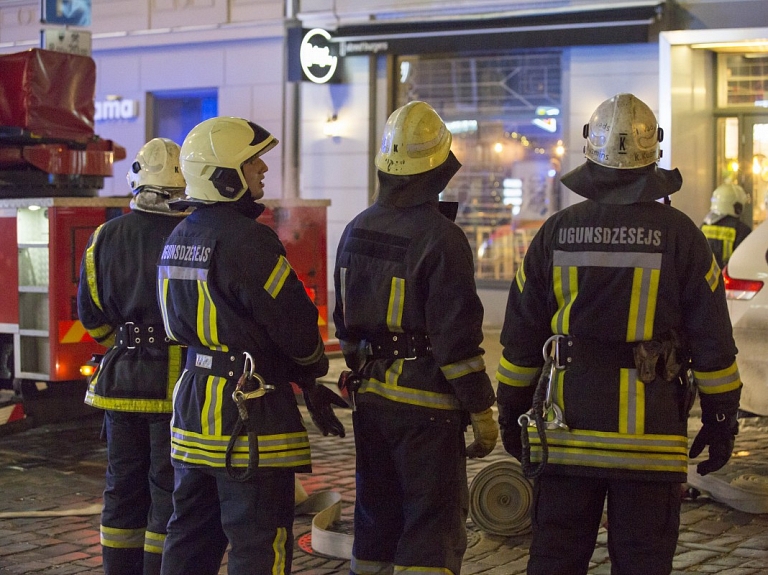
464,367
515,375
710,382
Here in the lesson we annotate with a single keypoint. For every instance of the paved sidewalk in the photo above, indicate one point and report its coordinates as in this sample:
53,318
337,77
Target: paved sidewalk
61,467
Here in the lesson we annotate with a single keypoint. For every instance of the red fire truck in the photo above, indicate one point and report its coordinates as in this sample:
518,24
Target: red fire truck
52,166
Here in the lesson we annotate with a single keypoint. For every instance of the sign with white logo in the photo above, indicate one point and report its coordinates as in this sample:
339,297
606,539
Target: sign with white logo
116,110
318,60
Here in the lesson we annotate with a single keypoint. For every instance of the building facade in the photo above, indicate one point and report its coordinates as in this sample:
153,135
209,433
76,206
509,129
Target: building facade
514,81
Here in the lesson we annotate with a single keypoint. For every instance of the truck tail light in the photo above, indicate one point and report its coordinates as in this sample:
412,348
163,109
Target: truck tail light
740,289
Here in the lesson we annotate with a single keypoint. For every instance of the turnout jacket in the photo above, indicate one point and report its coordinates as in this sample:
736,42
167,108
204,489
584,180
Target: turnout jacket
225,287
117,286
407,270
608,276
724,234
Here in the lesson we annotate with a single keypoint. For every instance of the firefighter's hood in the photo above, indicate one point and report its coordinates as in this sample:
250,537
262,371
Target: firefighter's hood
409,191
613,186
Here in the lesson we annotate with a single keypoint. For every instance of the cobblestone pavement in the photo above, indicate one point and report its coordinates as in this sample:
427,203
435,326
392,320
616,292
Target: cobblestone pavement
57,468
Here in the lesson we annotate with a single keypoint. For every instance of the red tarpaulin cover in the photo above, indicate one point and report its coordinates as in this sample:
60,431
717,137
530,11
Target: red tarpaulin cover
50,94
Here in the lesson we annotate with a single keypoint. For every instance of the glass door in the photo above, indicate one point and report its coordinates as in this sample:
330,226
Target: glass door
742,158
755,180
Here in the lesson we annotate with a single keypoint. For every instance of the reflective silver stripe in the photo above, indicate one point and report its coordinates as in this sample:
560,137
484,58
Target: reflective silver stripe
612,440
210,419
515,375
122,538
631,403
462,368
607,259
396,303
154,542
182,273
642,304
409,395
278,276
720,381
713,275
361,567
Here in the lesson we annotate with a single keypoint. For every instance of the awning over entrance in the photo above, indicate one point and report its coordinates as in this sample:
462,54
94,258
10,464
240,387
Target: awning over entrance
600,24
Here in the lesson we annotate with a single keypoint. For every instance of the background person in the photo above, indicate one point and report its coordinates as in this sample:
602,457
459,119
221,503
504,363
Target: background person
410,324
117,304
631,288
722,226
225,288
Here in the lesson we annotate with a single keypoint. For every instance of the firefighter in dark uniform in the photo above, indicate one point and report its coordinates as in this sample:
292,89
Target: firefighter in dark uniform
227,291
723,226
117,304
410,325
626,294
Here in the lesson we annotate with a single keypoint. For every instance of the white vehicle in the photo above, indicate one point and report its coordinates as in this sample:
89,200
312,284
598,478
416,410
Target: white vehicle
745,278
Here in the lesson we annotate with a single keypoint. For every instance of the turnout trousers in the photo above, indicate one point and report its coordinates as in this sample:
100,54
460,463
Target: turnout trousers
210,509
643,525
137,495
411,492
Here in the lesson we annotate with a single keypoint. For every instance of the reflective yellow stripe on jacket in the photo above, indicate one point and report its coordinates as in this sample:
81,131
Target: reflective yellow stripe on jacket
724,234
645,287
137,404
279,450
604,449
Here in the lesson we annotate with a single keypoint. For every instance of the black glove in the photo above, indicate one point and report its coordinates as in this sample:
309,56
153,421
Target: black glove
720,439
319,401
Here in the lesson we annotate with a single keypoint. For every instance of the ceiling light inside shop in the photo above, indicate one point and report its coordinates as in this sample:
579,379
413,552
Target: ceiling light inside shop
758,45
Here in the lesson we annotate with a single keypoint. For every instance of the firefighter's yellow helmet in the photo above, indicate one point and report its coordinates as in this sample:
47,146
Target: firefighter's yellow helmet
728,200
213,153
415,140
156,167
623,134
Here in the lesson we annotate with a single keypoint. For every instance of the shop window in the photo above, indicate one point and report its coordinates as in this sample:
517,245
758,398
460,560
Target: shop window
504,114
744,80
176,112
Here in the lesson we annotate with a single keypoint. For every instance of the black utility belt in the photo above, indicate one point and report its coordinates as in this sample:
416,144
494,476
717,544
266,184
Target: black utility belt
577,351
226,364
131,335
400,346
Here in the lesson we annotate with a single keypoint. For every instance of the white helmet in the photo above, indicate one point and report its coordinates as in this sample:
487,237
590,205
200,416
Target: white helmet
415,140
156,166
623,133
213,153
728,200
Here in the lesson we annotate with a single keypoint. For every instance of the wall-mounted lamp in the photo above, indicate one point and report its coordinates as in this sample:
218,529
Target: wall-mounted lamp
331,128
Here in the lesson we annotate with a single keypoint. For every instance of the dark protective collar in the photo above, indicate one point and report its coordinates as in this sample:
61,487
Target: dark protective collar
612,186
409,191
245,205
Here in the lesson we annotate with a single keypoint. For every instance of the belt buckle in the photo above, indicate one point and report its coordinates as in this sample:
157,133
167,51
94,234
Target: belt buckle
129,340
